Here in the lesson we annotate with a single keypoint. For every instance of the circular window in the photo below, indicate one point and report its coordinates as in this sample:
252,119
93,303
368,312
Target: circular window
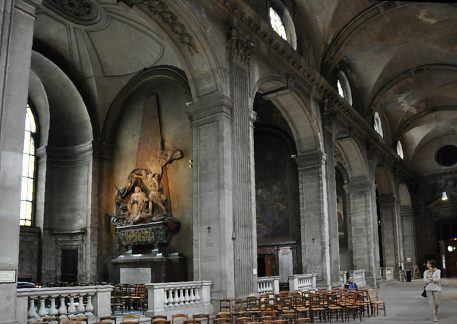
447,155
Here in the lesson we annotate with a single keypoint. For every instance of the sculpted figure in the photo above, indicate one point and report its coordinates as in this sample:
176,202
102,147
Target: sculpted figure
156,196
136,205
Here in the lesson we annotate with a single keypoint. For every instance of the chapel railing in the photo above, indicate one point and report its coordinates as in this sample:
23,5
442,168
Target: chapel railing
268,285
63,302
302,282
187,297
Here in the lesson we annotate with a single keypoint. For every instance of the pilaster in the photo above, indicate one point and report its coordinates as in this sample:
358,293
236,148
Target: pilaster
212,195
364,230
389,232
314,214
16,33
244,229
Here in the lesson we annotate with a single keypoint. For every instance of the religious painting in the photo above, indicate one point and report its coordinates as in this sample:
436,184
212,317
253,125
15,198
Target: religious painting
340,211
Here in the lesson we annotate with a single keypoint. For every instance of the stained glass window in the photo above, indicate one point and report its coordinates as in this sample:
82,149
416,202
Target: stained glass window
28,170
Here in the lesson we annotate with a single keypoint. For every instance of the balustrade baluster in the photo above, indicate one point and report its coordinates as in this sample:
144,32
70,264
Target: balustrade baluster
176,294
71,307
192,295
62,307
32,312
80,307
42,311
52,309
181,296
166,296
197,296
186,297
89,306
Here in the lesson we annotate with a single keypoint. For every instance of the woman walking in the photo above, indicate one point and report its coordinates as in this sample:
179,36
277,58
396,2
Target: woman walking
432,280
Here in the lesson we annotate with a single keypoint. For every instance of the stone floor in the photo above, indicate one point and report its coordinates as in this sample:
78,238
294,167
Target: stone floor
405,305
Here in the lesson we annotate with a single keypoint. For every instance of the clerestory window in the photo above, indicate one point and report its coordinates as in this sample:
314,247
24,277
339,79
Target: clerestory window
377,124
277,24
344,89
28,169
400,150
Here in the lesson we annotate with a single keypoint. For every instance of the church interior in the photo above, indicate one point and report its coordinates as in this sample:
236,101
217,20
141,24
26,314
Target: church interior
225,141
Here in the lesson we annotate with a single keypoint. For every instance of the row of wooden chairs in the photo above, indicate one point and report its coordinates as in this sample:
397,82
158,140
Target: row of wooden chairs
322,304
127,297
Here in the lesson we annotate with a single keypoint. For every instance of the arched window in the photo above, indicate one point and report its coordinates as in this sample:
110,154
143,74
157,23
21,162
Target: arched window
377,124
28,169
282,23
400,150
344,89
277,24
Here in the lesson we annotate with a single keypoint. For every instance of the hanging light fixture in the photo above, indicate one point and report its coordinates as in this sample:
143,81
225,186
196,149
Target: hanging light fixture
444,196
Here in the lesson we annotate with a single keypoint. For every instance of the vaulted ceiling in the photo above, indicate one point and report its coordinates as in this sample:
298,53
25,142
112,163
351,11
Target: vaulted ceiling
401,61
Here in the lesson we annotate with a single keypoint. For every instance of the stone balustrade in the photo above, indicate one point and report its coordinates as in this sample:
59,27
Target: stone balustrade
188,297
36,303
389,273
268,285
302,282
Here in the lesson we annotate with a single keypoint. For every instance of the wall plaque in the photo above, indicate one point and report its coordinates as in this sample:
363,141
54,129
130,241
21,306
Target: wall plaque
7,276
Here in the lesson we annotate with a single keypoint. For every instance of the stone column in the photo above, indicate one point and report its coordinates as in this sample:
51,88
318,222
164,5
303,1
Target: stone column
212,195
244,228
16,33
314,223
364,233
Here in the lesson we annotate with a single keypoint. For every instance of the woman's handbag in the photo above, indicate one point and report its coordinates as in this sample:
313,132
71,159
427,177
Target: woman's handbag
424,293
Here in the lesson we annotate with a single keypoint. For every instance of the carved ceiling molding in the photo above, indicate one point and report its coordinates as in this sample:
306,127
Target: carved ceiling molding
82,12
404,75
404,125
162,10
346,114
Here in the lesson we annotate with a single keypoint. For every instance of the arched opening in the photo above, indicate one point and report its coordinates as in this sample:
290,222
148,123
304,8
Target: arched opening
63,185
150,116
277,205
346,257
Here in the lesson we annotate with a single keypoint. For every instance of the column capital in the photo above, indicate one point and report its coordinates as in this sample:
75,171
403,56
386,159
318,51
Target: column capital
240,45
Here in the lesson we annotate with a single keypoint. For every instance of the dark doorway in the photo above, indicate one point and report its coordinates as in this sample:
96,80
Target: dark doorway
69,265
266,265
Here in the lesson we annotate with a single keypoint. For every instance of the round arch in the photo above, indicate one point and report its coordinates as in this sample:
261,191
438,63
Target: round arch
145,79
295,111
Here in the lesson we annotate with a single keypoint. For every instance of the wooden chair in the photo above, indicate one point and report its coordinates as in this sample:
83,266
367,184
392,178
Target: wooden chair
225,305
303,320
80,319
202,317
375,302
243,320
192,321
179,318
223,315
159,319
48,319
131,318
222,320
108,319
